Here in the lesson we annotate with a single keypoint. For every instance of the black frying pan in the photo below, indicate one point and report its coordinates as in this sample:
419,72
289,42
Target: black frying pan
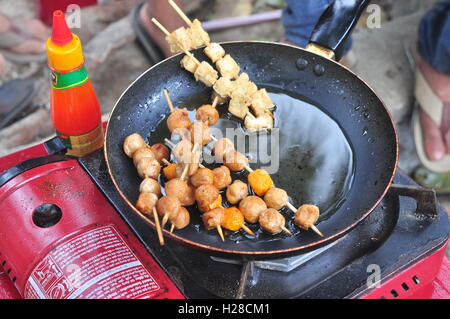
333,90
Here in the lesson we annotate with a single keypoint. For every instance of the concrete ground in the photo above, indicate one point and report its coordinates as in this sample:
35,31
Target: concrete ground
115,59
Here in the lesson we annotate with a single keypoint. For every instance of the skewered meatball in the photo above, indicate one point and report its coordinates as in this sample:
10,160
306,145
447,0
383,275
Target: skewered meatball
180,190
234,219
179,134
132,143
150,185
213,218
146,202
271,221
200,133
192,168
235,161
207,114
181,219
276,198
148,167
222,177
251,207
206,195
306,216
167,206
203,176
222,147
161,152
178,119
143,152
236,192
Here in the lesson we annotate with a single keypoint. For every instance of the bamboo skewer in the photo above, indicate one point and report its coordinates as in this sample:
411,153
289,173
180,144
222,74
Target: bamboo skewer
158,227
313,227
180,13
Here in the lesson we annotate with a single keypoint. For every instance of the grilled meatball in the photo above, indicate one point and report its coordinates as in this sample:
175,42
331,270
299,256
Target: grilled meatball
207,114
222,177
148,167
180,219
178,119
276,198
236,192
236,161
200,133
222,147
150,185
183,151
132,143
146,202
181,190
306,216
143,152
179,134
251,207
271,221
167,205
203,176
213,218
161,152
206,195
192,169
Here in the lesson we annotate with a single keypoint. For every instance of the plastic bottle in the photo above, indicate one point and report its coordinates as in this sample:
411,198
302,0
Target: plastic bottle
74,106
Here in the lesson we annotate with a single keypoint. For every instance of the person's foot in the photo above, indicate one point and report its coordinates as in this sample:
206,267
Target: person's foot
436,137
38,34
153,31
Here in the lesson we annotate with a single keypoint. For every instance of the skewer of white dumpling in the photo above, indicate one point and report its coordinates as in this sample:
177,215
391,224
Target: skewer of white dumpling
242,92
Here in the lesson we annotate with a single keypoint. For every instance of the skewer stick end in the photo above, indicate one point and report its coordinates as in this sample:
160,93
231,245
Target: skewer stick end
286,230
247,230
219,230
158,227
316,230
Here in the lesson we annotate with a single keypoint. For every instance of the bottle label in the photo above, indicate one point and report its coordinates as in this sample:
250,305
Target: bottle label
80,145
62,81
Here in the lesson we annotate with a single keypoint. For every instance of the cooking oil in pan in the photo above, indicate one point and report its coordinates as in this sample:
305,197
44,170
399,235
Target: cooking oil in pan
312,159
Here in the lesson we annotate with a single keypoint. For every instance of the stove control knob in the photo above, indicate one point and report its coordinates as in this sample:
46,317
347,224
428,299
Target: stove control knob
47,215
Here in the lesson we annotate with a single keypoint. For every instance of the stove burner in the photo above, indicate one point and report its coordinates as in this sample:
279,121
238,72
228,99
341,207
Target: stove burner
398,233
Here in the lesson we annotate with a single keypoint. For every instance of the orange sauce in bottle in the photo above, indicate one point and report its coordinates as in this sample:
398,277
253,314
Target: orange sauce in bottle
74,105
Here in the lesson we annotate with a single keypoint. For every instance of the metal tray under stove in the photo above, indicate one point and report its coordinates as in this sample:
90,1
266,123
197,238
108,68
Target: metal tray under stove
407,226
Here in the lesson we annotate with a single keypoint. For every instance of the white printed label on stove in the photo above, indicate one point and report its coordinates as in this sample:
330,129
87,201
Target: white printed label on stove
97,264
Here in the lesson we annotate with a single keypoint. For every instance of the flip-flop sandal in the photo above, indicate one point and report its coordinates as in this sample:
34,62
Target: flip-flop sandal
430,103
14,36
152,50
15,96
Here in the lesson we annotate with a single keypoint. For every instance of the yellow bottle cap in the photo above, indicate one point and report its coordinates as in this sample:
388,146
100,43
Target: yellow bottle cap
66,57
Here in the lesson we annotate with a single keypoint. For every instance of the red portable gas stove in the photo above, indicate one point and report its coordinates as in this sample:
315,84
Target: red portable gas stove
66,233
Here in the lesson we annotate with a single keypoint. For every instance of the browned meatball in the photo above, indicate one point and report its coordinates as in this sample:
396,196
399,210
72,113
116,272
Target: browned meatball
183,151
235,161
221,100
181,219
167,206
214,218
143,152
206,195
236,192
207,114
306,216
276,198
150,185
251,207
146,202
222,177
203,176
200,133
181,190
148,167
132,143
178,119
161,152
222,147
271,221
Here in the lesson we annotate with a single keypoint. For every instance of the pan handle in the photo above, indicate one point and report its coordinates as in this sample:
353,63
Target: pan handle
335,26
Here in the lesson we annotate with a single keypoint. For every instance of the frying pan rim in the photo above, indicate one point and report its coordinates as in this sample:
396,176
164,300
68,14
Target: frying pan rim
298,249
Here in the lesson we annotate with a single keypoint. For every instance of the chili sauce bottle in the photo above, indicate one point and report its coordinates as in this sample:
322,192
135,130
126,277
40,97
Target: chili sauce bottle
74,106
